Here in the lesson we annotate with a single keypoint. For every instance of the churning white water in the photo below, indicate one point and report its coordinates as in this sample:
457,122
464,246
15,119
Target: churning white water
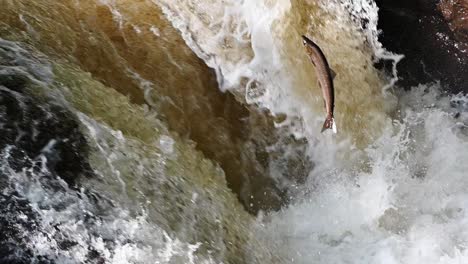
402,197
409,206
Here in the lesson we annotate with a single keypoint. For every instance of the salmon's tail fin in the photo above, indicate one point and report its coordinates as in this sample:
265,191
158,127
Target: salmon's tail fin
329,124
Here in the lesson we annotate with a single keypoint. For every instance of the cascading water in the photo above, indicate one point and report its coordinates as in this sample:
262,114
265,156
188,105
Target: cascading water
138,194
112,132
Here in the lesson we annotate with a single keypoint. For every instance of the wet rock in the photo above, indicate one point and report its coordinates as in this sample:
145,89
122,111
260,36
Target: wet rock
12,79
432,50
456,14
41,130
39,141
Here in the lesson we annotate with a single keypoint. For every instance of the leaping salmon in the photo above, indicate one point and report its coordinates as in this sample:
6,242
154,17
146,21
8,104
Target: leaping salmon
325,77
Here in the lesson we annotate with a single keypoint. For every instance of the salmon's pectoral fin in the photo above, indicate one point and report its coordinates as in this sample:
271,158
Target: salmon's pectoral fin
329,124
333,73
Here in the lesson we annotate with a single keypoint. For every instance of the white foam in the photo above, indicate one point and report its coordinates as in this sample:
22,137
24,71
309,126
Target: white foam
66,215
30,29
335,130
118,17
368,10
155,31
166,143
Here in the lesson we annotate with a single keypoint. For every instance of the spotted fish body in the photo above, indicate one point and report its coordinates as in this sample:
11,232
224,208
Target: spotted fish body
325,77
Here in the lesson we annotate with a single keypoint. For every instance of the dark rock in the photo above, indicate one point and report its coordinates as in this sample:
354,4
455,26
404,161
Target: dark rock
41,129
432,52
42,141
455,13
12,79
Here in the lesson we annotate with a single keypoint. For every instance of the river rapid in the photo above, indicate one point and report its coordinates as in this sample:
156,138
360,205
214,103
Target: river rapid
188,131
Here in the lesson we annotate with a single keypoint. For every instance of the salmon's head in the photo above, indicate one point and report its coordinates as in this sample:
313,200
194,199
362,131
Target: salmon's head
308,45
306,41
